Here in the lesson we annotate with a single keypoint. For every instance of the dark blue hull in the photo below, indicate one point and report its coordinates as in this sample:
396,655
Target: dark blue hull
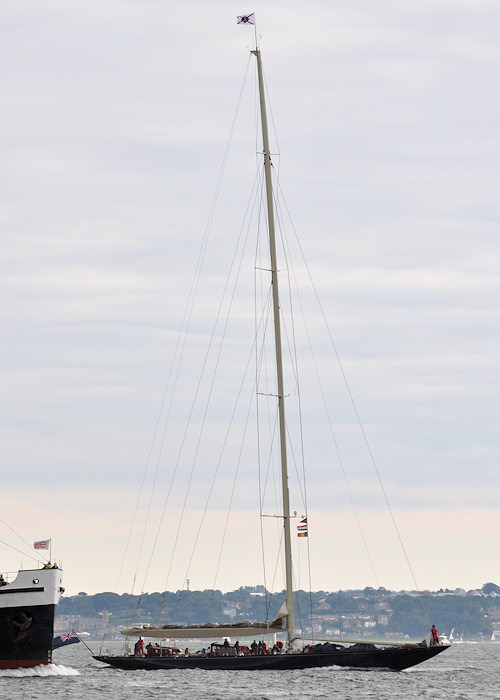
390,658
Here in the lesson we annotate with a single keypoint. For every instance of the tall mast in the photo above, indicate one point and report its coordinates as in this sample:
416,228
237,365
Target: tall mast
279,355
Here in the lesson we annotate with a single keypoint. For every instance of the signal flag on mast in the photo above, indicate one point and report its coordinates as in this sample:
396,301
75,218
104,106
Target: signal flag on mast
246,19
302,528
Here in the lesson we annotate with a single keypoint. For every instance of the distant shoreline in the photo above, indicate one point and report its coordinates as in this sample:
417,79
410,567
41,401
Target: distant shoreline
466,615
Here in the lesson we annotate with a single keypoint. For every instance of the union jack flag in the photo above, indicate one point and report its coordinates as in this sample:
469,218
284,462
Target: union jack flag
64,640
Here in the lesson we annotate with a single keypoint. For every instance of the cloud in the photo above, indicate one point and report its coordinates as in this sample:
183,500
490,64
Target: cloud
114,127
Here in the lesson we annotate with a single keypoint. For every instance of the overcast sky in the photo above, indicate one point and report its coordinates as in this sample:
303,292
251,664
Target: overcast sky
114,121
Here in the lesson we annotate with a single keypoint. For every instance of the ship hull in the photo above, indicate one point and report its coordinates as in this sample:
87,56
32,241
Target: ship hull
27,610
26,634
394,659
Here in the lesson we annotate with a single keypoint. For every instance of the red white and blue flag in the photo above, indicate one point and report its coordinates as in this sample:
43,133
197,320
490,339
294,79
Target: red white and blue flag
302,528
246,19
43,544
65,640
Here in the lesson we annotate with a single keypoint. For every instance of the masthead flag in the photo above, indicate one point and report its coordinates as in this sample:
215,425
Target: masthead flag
43,544
302,528
246,19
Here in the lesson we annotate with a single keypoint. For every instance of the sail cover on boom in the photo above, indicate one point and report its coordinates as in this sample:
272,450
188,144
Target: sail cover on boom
240,629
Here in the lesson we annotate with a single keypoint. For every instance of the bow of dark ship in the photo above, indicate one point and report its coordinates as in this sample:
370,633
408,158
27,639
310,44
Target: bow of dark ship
27,609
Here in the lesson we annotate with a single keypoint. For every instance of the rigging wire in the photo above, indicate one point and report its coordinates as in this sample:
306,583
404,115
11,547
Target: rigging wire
301,482
355,409
226,522
25,554
238,463
263,377
260,361
326,409
292,349
279,558
30,556
223,335
215,370
259,323
295,365
179,350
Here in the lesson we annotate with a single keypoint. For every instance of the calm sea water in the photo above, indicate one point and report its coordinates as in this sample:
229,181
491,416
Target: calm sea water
464,672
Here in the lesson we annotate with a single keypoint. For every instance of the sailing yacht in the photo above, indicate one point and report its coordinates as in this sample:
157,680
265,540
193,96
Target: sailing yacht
161,652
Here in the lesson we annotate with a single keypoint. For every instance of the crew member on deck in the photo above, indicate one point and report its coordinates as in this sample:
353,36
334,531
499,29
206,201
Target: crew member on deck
435,636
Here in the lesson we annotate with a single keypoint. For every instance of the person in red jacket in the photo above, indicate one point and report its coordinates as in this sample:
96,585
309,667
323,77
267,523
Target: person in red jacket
435,636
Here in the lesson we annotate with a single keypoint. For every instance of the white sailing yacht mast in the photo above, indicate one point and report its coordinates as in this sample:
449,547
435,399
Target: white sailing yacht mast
279,356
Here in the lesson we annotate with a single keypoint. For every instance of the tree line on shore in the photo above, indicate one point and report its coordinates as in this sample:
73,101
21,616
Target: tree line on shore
370,611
